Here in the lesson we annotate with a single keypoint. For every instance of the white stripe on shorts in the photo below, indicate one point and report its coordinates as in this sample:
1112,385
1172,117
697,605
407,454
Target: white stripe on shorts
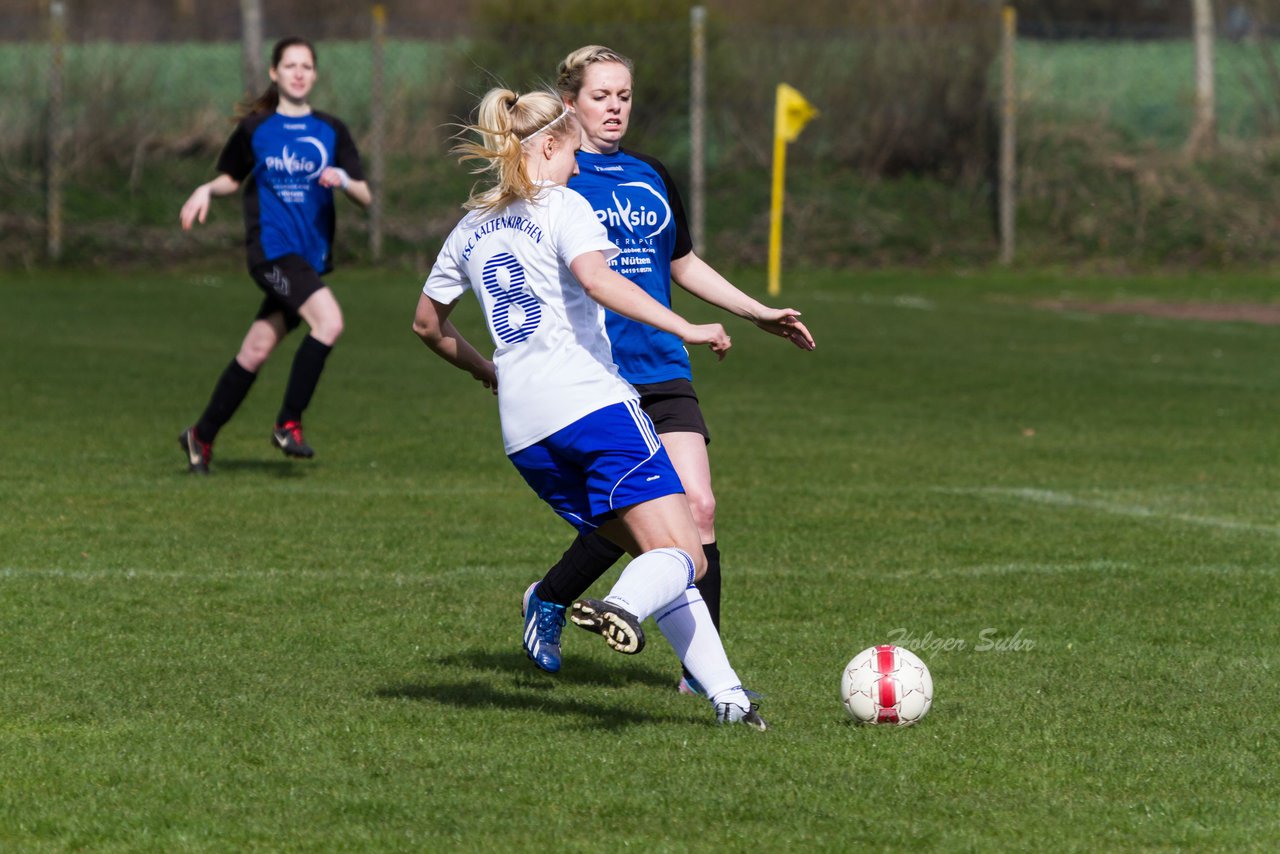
645,425
646,429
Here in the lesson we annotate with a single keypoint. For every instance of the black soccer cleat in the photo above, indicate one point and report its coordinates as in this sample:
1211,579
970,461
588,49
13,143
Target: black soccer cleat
288,438
198,453
619,627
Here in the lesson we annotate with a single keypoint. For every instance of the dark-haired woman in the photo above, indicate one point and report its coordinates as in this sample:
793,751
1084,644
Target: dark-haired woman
288,158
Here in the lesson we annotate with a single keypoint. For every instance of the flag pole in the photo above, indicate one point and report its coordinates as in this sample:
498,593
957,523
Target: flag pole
791,113
775,203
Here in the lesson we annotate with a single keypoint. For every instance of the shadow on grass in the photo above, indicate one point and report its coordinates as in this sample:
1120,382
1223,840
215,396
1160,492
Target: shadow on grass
526,687
479,694
278,468
617,671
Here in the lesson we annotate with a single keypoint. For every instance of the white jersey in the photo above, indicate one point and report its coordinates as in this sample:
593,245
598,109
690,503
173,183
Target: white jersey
553,357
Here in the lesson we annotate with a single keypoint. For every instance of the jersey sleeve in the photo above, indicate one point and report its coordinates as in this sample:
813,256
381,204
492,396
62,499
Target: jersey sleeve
347,156
684,240
448,279
579,231
237,158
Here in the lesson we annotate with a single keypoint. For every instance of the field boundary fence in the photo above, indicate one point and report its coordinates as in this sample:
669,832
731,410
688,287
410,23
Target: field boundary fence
936,141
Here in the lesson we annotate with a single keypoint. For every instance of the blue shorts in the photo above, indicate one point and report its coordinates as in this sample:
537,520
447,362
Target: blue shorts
605,461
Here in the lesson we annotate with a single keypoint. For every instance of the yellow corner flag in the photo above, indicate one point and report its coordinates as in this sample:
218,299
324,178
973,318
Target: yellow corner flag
791,113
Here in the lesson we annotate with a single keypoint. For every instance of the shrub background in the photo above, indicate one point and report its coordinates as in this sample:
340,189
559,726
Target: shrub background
897,169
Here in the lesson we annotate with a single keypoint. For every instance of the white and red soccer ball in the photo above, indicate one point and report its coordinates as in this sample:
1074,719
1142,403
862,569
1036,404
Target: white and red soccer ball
886,685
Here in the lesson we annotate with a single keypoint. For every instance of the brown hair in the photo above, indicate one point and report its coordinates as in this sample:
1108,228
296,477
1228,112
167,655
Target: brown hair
270,97
505,121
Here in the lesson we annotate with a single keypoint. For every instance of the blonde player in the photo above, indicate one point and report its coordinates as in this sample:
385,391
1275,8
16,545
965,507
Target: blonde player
536,258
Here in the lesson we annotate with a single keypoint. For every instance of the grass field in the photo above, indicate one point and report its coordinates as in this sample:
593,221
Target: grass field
294,656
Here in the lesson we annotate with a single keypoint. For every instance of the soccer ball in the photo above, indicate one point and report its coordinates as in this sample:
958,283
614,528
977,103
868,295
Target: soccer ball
886,685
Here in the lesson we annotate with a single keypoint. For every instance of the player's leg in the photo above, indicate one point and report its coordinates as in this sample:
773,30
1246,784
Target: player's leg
688,452
233,386
639,503
661,535
559,482
683,619
673,406
317,305
555,468
631,476
582,564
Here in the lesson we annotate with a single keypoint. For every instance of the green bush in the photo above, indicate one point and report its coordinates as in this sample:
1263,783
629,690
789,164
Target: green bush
903,87
519,43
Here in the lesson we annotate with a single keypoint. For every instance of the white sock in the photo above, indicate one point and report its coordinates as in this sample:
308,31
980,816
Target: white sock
686,624
651,581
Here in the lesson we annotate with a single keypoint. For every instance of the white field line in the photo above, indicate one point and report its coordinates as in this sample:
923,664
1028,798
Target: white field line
1063,499
1021,568
909,301
1107,567
996,305
1095,567
395,579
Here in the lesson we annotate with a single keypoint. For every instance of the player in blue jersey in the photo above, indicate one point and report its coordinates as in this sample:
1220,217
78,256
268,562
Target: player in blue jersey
536,258
289,159
635,198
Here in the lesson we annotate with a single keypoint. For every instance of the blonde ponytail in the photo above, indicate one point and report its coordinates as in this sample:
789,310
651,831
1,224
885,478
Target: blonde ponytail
506,120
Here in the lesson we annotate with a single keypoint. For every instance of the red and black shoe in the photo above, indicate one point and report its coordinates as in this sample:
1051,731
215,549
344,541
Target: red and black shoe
288,438
198,453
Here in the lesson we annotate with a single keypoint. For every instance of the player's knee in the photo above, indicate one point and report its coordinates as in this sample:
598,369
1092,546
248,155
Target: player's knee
703,507
329,330
254,354
699,563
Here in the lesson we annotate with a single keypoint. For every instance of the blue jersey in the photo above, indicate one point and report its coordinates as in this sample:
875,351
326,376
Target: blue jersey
640,207
279,159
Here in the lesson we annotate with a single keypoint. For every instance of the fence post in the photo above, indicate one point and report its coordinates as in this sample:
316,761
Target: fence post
377,129
697,125
251,46
1203,138
1008,137
54,170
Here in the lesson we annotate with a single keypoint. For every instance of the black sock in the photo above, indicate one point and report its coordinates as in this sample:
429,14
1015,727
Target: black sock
709,585
587,559
303,378
231,390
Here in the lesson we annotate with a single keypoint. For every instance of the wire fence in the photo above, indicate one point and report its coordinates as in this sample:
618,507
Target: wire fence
101,141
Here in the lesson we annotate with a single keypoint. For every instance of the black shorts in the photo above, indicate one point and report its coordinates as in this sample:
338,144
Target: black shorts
288,282
673,406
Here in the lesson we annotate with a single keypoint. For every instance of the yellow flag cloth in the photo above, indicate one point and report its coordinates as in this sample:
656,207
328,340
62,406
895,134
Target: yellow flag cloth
794,112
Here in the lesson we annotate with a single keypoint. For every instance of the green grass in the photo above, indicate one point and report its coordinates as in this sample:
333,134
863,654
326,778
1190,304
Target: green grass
1144,89
324,656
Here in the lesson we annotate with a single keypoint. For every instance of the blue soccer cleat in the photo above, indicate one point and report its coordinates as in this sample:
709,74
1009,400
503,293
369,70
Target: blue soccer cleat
542,624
